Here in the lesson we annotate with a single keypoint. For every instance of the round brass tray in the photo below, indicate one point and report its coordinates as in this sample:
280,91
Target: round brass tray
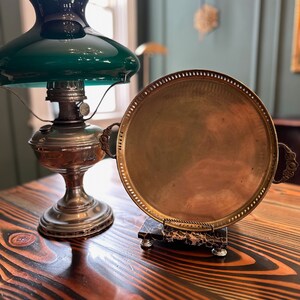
197,150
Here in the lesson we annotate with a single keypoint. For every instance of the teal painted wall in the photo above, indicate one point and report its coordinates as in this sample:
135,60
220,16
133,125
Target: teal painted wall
17,161
252,43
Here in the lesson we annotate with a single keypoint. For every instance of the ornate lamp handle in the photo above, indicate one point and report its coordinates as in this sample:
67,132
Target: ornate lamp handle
291,165
104,140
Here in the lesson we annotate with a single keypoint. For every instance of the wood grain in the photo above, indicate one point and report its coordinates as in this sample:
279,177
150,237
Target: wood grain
263,260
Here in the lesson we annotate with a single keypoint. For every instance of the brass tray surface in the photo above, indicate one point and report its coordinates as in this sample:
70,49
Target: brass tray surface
197,150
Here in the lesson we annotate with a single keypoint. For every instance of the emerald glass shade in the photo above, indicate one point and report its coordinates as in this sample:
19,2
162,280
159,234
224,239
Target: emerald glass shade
62,46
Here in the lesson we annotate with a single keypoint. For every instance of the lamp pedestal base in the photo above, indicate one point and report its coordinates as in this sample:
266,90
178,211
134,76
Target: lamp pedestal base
71,221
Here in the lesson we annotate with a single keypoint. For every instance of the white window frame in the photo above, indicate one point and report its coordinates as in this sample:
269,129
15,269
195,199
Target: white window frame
124,14
124,32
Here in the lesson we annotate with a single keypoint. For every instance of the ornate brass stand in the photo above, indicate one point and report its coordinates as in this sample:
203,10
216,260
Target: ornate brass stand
70,147
152,231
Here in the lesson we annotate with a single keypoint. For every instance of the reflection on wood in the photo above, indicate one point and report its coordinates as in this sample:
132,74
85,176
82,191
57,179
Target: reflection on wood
263,260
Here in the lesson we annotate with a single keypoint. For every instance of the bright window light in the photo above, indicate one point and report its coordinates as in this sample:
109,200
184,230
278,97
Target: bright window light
99,15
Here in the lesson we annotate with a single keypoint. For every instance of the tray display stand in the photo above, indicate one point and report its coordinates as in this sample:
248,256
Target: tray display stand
197,152
152,231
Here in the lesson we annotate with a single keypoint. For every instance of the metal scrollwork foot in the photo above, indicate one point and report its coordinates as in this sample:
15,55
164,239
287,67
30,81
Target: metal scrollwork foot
146,244
220,252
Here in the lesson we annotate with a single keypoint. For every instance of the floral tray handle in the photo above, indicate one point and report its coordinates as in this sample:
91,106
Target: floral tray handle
291,165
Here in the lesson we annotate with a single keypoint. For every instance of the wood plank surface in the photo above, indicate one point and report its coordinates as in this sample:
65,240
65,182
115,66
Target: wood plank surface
263,260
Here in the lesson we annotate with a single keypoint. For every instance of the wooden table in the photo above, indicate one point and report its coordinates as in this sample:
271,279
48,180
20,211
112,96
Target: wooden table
263,260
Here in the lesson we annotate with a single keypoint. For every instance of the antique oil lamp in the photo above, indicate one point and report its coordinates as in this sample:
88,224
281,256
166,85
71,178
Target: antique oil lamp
62,52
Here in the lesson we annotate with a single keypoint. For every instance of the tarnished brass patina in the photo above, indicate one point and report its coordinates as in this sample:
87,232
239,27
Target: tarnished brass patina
197,150
70,146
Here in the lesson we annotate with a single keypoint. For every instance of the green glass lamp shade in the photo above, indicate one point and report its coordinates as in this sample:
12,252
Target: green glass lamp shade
62,46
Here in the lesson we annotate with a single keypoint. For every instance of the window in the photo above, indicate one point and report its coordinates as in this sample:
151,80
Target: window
100,16
115,19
